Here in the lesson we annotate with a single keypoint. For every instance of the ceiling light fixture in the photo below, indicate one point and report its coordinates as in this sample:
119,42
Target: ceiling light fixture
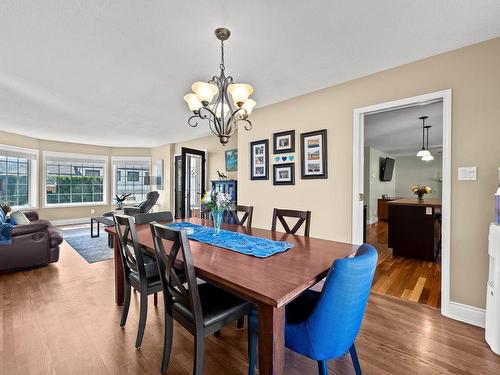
423,152
429,156
222,114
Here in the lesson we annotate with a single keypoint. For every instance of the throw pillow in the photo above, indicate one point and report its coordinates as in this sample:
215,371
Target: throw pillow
17,217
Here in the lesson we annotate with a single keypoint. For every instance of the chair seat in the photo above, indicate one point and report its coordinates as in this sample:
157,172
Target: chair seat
152,274
217,306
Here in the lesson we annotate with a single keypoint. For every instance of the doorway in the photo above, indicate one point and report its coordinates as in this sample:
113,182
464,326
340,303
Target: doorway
360,177
190,172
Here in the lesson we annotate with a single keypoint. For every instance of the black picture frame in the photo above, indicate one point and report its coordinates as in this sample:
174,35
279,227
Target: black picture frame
314,168
276,138
253,159
290,167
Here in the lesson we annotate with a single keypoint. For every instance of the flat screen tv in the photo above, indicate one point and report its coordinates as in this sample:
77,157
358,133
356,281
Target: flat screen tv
386,169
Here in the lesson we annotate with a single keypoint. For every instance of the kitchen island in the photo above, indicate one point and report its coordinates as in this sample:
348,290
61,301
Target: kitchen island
415,228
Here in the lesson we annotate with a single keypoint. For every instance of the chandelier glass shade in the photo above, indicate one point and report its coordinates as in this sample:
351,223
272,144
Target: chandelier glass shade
220,102
424,153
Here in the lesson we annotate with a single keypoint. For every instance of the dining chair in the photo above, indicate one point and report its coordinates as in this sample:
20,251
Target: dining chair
303,216
324,325
233,218
205,212
162,217
202,309
140,272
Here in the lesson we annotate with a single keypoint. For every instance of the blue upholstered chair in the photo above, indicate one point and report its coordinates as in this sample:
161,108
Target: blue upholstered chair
324,325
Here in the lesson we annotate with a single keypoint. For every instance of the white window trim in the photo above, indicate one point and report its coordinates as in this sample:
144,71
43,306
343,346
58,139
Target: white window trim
103,158
134,158
33,183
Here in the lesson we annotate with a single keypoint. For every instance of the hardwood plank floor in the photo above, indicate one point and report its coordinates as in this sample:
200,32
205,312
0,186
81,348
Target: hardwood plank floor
410,279
62,319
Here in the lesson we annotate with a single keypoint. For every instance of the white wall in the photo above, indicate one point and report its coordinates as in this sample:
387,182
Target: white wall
410,171
374,188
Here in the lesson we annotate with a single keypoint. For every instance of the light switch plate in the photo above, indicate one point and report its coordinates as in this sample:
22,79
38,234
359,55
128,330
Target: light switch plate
467,174
428,210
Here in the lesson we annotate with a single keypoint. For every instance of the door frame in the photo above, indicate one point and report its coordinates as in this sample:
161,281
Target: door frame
203,154
358,177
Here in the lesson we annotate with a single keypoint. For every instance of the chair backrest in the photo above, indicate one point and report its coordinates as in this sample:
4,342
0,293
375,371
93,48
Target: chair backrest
337,316
149,202
303,216
179,283
128,242
162,216
232,215
205,212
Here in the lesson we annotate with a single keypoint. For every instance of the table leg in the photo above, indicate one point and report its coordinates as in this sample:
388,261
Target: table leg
119,292
271,340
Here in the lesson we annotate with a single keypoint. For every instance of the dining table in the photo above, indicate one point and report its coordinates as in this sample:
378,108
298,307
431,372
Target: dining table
270,283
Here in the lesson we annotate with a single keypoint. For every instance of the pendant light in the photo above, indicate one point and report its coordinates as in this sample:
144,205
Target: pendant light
428,157
423,152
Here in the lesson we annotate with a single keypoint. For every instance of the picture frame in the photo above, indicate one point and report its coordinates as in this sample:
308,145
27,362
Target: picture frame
314,154
259,160
284,142
232,160
284,174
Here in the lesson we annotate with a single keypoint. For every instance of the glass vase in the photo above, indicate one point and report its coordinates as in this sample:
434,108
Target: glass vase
217,218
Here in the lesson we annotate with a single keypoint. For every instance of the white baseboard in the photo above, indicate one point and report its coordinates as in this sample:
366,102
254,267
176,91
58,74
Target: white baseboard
466,313
78,220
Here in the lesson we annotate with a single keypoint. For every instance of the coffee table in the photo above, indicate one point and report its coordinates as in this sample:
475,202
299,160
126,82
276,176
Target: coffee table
107,221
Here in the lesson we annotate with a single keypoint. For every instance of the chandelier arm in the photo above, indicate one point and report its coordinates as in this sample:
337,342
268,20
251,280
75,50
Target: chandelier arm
248,125
192,123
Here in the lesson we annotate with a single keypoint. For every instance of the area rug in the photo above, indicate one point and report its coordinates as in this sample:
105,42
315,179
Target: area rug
91,249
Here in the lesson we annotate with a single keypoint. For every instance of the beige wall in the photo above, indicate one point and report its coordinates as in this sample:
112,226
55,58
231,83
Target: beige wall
157,153
62,213
473,75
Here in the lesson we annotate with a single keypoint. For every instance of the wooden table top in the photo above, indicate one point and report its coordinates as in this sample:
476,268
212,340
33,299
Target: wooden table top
426,202
275,280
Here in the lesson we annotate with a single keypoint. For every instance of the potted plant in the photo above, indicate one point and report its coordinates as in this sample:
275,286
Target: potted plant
120,200
420,191
217,202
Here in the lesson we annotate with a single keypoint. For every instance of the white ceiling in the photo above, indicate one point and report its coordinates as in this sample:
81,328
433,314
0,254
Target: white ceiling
114,72
399,132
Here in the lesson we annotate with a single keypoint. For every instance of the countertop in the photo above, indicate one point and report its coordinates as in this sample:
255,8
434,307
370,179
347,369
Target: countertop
426,202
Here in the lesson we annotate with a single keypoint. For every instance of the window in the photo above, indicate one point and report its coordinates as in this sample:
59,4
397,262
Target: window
74,179
18,176
131,175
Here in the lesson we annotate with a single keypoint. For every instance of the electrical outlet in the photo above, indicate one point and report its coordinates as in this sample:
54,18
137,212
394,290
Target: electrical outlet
92,211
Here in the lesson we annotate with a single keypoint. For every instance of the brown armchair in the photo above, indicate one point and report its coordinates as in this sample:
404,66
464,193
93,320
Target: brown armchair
34,244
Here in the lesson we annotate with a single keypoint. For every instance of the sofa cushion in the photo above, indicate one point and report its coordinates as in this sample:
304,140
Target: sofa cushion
17,217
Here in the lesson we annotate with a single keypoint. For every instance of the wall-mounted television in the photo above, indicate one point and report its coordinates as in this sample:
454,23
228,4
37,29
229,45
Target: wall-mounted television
386,169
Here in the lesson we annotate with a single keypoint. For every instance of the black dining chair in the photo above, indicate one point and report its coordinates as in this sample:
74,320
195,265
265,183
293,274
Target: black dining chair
302,216
161,217
233,218
140,272
201,309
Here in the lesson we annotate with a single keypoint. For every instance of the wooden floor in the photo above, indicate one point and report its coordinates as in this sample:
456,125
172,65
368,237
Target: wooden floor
410,279
61,319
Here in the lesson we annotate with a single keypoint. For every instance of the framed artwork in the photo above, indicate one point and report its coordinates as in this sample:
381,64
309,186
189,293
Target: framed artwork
232,160
259,160
314,156
159,174
284,142
284,174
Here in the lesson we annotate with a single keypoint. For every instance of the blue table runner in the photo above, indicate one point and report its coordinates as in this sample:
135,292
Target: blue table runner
239,242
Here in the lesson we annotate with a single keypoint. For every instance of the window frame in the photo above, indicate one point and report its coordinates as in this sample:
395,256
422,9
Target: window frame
32,175
147,159
100,158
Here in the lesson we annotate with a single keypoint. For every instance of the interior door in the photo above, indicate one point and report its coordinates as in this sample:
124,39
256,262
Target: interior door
178,186
192,181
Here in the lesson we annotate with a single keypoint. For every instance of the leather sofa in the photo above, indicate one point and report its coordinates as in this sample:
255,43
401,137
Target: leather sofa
34,244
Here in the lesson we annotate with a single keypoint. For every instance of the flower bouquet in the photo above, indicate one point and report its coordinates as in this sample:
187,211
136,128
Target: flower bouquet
217,202
420,190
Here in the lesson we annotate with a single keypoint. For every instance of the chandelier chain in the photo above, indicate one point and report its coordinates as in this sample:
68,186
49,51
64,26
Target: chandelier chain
222,66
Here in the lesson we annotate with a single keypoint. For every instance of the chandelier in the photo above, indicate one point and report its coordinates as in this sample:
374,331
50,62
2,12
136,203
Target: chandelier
424,153
221,113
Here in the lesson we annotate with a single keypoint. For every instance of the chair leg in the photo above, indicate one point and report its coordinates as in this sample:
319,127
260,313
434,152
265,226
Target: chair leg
167,343
198,355
355,360
142,318
156,299
323,367
240,323
253,339
126,305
